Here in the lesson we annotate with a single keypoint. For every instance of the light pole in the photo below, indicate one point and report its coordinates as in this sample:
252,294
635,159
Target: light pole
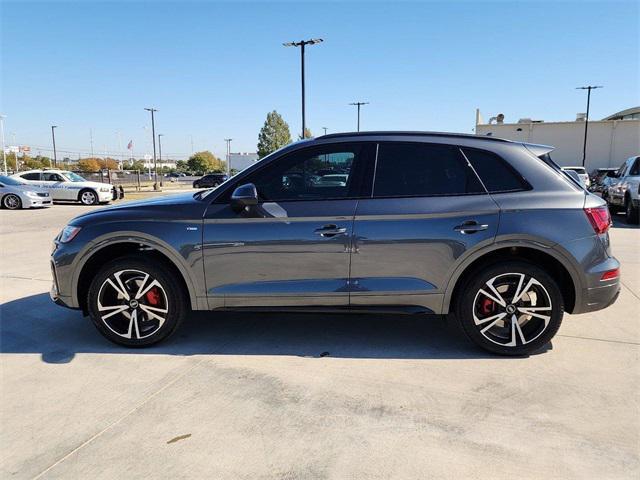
359,104
153,136
588,88
325,130
53,136
302,44
4,155
160,156
228,140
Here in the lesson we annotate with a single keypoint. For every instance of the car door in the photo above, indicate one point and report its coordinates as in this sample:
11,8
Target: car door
427,208
293,248
55,184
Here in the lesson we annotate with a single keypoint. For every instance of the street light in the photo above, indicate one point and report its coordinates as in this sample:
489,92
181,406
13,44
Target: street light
359,104
302,44
588,88
53,136
4,155
325,130
228,140
160,155
153,136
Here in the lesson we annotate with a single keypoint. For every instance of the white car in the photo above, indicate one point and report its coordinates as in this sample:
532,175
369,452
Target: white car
65,185
15,194
625,192
582,173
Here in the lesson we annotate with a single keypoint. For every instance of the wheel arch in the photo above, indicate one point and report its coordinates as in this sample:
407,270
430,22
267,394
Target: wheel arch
551,259
95,256
90,189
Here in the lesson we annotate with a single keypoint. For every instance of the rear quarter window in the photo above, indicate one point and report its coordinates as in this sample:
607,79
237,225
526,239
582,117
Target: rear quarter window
496,174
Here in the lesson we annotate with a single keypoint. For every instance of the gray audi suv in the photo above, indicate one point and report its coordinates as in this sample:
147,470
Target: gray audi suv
488,231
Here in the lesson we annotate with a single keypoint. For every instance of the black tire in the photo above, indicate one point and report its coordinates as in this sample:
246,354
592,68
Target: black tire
11,202
196,185
88,197
477,312
631,212
169,297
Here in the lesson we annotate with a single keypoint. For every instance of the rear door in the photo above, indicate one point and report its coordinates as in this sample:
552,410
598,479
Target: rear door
293,248
426,209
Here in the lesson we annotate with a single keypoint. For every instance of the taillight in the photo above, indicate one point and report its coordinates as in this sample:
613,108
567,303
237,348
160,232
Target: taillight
610,274
600,218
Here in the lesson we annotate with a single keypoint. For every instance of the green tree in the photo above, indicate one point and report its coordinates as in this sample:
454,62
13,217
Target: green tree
182,166
203,162
273,135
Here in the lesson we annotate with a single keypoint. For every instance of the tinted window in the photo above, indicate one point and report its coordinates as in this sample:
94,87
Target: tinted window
309,174
31,176
635,169
52,177
496,175
417,169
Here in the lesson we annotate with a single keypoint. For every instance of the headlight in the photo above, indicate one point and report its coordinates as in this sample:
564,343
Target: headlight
31,194
68,233
105,189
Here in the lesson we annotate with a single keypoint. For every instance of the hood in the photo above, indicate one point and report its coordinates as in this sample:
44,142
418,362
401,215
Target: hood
181,205
97,184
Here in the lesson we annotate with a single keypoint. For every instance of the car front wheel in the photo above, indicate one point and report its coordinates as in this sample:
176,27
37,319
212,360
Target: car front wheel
135,302
631,212
514,308
11,202
88,197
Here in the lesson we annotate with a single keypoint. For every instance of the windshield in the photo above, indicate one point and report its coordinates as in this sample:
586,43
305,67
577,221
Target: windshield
10,181
74,177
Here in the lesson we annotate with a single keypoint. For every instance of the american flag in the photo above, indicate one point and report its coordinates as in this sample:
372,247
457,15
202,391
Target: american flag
130,145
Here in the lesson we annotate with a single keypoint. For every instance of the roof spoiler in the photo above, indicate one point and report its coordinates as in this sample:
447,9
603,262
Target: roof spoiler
539,150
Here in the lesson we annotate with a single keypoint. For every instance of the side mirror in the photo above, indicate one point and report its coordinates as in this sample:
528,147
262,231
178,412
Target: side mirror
244,196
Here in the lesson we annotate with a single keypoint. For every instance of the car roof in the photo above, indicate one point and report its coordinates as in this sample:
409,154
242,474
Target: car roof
410,133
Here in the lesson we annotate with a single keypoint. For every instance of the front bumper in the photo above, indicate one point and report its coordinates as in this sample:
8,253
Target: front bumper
29,202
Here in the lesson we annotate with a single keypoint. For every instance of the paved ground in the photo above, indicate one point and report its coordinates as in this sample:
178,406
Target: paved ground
254,396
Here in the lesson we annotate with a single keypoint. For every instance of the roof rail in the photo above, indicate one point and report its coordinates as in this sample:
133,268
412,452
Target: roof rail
412,133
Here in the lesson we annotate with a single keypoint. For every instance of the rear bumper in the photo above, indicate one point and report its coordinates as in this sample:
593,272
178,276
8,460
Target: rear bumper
598,298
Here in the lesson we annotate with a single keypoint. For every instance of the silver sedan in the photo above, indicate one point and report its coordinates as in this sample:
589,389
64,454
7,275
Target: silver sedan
15,194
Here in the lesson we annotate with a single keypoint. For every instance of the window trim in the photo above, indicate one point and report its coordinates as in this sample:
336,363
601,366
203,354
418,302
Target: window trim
436,195
224,197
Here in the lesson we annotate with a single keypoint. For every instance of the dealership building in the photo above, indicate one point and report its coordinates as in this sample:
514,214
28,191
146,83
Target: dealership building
610,141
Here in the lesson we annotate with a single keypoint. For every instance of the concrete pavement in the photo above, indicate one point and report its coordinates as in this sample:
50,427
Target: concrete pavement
307,396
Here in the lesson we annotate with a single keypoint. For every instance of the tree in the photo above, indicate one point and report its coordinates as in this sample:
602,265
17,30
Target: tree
307,134
273,135
182,166
109,163
88,165
203,162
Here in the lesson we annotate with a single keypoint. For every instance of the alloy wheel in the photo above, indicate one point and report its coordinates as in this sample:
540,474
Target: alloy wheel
88,198
12,202
132,304
512,309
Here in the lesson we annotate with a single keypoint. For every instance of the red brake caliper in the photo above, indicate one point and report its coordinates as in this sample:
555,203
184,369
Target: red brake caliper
153,296
487,306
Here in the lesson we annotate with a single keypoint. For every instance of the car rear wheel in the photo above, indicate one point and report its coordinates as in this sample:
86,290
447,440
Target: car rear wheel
11,202
88,197
631,212
514,308
135,302
196,185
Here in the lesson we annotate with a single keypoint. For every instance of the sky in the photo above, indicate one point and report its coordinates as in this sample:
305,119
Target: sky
215,69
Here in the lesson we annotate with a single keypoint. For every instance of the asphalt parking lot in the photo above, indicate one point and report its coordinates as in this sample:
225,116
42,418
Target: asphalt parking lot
307,396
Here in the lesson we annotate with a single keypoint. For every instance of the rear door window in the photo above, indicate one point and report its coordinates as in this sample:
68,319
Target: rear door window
31,176
494,172
422,170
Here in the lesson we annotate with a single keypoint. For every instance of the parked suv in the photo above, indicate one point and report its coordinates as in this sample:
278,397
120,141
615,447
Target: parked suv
210,180
489,231
625,191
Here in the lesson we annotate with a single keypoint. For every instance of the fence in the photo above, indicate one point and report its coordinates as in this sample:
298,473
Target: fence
131,178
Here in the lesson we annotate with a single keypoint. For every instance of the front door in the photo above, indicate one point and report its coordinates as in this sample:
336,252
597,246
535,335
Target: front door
293,248
427,208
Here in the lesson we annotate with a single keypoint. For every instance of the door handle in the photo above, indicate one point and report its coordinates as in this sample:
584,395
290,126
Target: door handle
330,231
470,226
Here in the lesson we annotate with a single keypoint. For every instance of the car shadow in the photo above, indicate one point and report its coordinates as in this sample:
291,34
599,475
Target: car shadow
35,325
619,222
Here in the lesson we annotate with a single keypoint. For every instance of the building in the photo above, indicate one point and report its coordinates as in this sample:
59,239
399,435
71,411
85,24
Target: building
240,161
610,141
